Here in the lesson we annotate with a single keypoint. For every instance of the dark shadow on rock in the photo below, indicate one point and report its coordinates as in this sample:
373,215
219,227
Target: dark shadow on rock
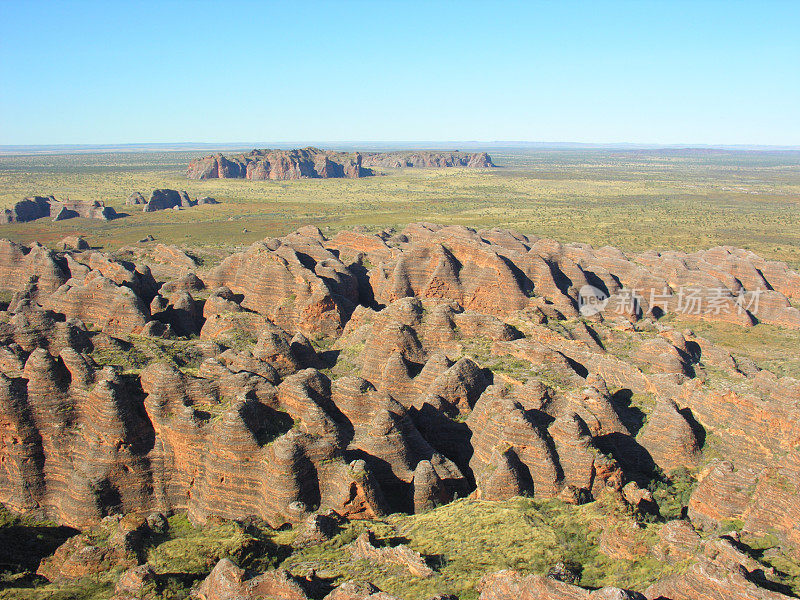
399,494
634,459
631,416
22,547
697,429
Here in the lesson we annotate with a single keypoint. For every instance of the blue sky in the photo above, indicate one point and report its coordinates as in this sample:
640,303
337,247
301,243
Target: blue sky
655,72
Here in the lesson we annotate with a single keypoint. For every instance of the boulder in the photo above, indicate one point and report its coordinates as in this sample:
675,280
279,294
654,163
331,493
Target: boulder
511,585
163,199
74,242
135,199
228,582
364,548
28,209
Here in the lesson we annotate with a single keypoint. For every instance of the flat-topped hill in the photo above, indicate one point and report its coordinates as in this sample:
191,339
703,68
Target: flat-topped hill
278,164
427,159
315,163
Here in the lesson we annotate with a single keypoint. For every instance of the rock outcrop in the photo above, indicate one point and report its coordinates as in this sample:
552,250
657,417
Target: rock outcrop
28,209
428,159
74,242
229,582
373,374
165,199
37,207
278,164
510,585
135,199
70,209
296,282
364,548
316,163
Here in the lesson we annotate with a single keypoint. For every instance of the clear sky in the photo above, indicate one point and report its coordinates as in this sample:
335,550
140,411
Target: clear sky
724,72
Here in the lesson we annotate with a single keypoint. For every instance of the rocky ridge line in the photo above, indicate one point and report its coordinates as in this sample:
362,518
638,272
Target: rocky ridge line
445,362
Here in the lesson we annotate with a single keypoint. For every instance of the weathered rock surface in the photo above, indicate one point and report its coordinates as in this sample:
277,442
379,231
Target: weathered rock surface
37,207
229,582
295,282
70,209
74,242
356,590
371,374
510,585
316,163
28,209
709,580
364,548
278,164
429,159
33,267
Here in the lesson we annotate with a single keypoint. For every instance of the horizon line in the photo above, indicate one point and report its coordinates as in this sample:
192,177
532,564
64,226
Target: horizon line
7,149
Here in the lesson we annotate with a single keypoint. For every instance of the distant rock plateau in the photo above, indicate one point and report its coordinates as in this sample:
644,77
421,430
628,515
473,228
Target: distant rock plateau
315,163
427,159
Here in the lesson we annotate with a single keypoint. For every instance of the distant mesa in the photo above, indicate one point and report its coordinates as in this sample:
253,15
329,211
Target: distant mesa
420,159
313,163
37,207
279,164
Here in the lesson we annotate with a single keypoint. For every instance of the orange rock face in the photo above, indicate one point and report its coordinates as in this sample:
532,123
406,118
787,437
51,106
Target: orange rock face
370,374
278,164
228,581
510,585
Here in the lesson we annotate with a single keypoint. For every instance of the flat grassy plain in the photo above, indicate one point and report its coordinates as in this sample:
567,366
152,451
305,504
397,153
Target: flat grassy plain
635,200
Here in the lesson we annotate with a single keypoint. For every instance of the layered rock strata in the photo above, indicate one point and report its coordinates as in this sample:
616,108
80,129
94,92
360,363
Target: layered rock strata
315,163
279,164
369,374
428,159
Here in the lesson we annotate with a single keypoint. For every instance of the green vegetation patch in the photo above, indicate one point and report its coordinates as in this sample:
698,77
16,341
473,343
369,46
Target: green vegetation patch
672,492
467,539
635,200
133,354
180,556
767,549
771,347
195,550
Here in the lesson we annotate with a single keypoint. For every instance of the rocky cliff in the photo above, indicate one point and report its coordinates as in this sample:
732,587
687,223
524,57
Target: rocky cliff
316,163
428,159
278,164
371,374
163,199
37,207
